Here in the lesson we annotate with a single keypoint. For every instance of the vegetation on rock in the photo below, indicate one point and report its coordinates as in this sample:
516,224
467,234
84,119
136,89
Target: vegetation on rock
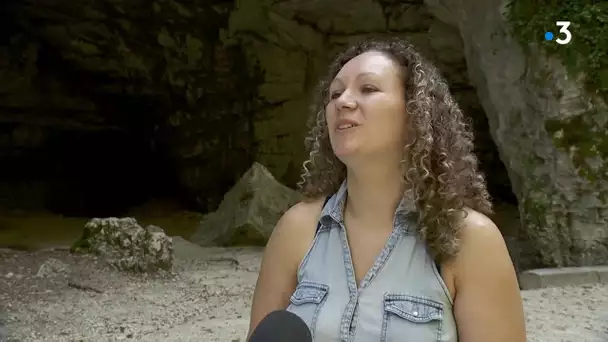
578,128
586,140
587,52
584,135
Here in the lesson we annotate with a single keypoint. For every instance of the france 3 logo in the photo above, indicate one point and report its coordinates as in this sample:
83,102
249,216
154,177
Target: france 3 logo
564,35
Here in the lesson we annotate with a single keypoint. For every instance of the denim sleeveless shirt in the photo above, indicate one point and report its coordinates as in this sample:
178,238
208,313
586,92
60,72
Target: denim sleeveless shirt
401,298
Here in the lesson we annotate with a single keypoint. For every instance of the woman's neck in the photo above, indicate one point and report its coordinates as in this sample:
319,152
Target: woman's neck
373,195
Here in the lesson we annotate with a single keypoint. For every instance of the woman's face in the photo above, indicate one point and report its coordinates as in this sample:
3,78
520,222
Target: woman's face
366,113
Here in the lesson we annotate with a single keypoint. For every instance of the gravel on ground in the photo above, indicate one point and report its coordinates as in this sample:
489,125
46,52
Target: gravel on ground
53,295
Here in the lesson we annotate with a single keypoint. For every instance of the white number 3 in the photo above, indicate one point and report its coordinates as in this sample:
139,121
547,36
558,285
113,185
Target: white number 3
564,29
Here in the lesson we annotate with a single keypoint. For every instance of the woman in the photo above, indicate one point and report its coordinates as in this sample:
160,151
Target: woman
393,244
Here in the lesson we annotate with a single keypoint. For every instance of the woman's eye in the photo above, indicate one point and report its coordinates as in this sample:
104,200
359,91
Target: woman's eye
368,89
334,95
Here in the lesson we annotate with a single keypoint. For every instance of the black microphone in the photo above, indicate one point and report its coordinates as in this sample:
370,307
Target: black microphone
281,326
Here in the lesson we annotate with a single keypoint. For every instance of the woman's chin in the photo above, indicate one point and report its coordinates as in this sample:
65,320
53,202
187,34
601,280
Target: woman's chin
345,153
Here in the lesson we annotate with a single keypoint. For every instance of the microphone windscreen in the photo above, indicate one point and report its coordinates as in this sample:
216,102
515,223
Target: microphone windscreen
281,326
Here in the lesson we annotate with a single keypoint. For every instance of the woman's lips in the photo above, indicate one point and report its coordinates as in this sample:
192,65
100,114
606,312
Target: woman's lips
346,124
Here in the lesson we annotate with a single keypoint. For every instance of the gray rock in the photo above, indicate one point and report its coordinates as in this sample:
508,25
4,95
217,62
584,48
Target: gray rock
154,229
126,245
52,267
338,16
3,331
283,46
561,277
249,211
544,123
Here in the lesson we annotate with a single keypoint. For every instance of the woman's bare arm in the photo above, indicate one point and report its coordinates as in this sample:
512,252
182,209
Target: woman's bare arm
284,252
488,305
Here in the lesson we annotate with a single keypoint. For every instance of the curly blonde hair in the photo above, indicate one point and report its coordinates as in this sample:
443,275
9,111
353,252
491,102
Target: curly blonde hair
441,167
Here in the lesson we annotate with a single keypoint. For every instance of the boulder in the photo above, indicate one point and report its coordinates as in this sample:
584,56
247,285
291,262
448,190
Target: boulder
249,211
52,267
123,243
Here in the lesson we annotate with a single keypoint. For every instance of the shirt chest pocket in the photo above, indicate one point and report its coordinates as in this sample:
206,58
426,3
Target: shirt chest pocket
411,318
307,300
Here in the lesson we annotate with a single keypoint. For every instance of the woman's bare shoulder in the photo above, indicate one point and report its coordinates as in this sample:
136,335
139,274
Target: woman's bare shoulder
488,302
477,227
288,243
305,209
483,251
300,220
291,239
476,233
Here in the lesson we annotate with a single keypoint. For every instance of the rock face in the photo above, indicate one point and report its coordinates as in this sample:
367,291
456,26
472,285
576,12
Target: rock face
3,329
156,71
549,132
206,89
249,211
52,267
185,96
126,245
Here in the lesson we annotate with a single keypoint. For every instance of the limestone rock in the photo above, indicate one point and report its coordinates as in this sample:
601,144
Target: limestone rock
337,16
249,211
291,42
161,58
126,245
410,17
550,135
3,328
52,267
217,85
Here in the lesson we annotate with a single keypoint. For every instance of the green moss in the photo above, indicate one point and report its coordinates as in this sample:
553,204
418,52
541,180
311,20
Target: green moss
82,245
536,214
585,140
246,197
583,137
587,52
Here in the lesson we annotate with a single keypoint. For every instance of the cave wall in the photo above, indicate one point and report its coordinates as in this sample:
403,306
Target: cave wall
152,70
549,129
207,87
186,95
292,42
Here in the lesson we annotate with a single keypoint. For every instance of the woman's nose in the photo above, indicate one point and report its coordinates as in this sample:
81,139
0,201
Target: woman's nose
346,101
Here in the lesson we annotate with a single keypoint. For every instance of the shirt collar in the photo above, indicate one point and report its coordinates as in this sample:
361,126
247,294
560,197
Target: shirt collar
334,209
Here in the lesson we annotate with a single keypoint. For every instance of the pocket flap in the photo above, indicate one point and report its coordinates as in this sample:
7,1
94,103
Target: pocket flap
309,292
413,308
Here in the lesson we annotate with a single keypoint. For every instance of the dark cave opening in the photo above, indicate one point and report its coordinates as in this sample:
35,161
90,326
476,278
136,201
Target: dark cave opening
68,145
490,164
81,173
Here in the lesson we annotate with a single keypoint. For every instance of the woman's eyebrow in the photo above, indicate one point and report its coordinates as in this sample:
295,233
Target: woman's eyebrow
361,75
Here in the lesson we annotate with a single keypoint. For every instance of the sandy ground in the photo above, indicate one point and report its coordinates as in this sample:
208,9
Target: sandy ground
55,296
